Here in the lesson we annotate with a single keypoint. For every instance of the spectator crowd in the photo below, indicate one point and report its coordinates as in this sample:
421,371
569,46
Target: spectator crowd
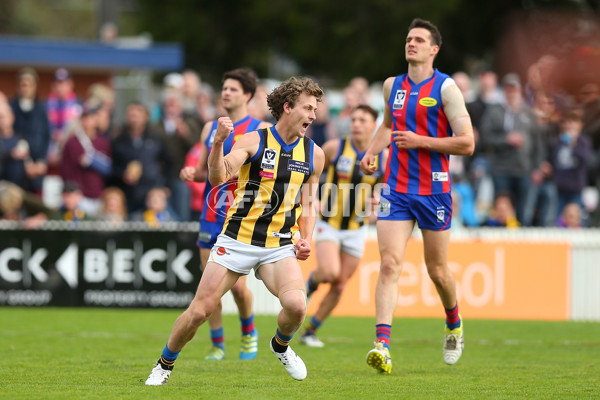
537,158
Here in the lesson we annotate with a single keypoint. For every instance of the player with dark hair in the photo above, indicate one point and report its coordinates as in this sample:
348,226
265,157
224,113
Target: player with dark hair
425,121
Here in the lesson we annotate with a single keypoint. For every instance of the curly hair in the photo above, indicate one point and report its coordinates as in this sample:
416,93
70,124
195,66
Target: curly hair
289,91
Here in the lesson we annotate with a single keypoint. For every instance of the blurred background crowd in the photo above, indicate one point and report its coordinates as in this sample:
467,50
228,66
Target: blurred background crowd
74,148
537,159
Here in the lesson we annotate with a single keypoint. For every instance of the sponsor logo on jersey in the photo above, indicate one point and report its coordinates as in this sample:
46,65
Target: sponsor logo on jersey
428,102
266,174
299,166
221,251
287,235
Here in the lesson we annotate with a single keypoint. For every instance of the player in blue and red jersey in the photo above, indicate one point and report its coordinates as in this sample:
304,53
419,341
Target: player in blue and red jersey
238,88
425,121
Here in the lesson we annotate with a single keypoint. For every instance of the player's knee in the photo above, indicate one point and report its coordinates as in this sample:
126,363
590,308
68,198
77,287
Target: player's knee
294,304
438,273
329,276
240,292
338,287
197,315
390,265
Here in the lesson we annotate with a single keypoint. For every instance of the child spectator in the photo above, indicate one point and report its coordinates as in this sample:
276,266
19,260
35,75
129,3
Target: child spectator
570,216
70,209
114,207
503,213
157,212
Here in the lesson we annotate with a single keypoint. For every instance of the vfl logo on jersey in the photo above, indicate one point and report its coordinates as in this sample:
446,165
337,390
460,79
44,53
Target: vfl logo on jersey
399,99
268,160
344,166
428,102
441,213
298,166
439,176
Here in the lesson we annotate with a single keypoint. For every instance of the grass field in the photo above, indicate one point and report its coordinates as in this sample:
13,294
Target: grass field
107,354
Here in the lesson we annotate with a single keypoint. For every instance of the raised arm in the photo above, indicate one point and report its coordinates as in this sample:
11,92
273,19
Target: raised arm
223,168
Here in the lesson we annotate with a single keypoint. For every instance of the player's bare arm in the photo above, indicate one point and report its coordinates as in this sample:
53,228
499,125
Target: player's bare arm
462,143
198,173
330,149
309,201
381,140
223,168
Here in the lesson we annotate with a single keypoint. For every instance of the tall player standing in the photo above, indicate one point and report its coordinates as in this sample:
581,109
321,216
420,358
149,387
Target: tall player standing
238,88
425,121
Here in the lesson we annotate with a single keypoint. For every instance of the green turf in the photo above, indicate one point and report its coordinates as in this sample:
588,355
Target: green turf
106,354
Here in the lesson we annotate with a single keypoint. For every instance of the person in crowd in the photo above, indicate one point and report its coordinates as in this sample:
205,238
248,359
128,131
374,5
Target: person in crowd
570,158
21,206
15,149
196,188
542,198
361,86
87,159
63,107
189,95
510,135
31,121
156,212
463,81
502,213
113,209
205,104
570,217
588,98
140,158
341,120
70,209
105,96
179,133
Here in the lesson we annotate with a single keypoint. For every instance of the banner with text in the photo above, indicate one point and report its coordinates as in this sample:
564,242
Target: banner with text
494,279
98,268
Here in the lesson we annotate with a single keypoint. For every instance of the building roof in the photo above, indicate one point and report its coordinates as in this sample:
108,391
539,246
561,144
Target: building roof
122,55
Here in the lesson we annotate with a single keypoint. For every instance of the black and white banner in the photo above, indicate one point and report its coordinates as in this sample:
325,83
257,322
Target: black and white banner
73,268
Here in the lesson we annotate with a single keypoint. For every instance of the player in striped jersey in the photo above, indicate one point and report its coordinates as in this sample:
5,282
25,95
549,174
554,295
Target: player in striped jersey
345,207
425,121
278,171
238,88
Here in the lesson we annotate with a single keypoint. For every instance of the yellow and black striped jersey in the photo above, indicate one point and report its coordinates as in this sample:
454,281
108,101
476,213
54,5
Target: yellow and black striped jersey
267,205
346,189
